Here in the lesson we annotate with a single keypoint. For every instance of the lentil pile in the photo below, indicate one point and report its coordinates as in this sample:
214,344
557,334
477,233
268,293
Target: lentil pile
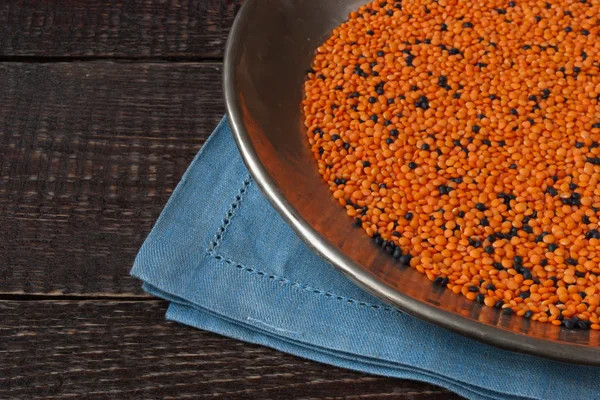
463,137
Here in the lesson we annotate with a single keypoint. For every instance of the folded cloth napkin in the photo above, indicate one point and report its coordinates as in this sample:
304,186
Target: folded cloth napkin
229,264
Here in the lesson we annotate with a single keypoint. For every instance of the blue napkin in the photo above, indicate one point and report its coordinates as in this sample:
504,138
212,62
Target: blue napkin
229,264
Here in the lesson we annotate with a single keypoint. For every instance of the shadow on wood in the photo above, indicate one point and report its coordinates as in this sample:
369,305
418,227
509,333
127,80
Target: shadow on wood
119,350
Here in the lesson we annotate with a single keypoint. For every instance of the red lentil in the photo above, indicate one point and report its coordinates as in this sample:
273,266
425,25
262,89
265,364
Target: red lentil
462,136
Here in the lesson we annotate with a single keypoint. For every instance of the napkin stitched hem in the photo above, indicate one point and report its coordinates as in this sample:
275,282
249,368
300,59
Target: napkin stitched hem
220,236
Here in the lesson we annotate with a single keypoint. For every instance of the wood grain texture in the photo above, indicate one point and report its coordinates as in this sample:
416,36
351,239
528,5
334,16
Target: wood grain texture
89,155
195,29
126,350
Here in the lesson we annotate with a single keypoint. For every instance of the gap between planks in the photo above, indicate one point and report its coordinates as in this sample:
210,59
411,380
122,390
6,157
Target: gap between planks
100,297
116,59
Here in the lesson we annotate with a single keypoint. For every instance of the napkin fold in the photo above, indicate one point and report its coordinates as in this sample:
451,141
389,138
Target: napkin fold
229,264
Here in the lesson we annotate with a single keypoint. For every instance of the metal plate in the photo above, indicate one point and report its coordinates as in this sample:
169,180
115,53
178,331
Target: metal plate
270,47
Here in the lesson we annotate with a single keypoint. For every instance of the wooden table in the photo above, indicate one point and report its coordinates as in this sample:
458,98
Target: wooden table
103,104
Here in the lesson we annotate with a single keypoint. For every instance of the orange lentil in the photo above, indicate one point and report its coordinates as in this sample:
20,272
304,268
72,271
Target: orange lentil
469,148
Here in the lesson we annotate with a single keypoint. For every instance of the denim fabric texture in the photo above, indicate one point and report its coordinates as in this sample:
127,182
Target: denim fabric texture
229,264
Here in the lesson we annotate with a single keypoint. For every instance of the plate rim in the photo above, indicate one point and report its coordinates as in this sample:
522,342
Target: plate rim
559,351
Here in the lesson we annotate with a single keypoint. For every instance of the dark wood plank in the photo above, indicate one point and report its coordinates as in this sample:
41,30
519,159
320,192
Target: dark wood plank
125,349
89,154
108,28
